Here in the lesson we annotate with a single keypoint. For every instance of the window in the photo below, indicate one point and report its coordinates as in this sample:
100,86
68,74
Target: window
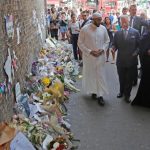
111,4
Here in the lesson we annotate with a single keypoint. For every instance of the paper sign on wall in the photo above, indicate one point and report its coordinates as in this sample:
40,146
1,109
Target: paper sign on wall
9,26
7,67
18,35
18,92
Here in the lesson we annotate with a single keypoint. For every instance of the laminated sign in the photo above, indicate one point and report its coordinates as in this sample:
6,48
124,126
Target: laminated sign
9,26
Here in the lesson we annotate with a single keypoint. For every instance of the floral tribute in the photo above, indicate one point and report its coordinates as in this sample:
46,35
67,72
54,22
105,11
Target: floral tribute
41,112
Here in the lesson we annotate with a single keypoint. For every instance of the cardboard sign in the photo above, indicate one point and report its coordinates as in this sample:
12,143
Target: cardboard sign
6,135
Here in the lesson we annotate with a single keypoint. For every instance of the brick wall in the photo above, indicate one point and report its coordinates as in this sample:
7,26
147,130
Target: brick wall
26,51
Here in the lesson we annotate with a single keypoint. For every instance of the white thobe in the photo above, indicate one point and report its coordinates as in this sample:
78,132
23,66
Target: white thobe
93,38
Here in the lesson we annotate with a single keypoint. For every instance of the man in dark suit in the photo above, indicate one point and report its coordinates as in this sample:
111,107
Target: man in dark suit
126,42
137,23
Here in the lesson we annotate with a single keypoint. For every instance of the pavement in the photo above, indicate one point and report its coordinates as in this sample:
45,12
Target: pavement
116,126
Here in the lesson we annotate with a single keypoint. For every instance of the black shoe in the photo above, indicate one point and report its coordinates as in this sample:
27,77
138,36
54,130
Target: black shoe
101,101
127,99
132,103
134,83
119,95
94,96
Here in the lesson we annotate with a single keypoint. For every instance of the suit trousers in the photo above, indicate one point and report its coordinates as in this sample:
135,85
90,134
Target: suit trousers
126,78
135,75
74,41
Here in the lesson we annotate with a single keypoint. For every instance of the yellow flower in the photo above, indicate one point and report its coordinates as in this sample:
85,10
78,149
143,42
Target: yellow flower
59,68
46,81
43,51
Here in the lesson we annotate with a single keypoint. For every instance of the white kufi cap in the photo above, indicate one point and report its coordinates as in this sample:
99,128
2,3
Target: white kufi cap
96,15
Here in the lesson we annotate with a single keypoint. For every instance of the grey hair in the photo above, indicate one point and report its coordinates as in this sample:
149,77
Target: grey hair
125,17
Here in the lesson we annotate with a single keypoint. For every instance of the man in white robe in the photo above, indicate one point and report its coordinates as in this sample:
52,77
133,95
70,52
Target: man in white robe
93,42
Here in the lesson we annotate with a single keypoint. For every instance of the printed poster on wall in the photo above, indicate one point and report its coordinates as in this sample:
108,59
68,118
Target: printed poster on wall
9,26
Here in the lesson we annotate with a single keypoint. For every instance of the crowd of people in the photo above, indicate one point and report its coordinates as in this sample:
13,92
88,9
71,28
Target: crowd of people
94,35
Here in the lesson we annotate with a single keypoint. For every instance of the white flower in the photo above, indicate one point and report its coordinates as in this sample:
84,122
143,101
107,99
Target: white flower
56,145
69,64
70,69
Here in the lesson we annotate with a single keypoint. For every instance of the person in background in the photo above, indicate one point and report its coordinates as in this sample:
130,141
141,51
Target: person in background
48,21
115,19
94,11
83,22
80,19
54,24
88,14
124,12
63,26
111,17
80,10
126,42
74,28
85,19
143,28
136,22
66,10
93,42
110,29
59,9
117,24
143,95
118,14
68,15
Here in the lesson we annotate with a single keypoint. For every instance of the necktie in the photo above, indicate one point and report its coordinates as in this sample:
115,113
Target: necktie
131,21
142,30
125,32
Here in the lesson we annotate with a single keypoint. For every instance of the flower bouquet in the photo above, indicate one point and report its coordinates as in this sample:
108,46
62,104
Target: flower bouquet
60,143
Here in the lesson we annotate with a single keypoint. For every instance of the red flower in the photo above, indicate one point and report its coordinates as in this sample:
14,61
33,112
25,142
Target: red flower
61,147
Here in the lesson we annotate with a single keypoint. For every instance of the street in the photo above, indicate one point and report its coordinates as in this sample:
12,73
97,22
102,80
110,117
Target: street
116,126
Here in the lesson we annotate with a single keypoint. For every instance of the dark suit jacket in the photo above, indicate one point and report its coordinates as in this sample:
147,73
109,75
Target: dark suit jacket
139,22
144,47
127,47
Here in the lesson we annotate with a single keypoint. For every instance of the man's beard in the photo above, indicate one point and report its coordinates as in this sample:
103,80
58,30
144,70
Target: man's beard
96,24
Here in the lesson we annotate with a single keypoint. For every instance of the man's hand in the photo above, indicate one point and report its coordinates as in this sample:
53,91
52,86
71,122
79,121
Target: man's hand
97,53
93,53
